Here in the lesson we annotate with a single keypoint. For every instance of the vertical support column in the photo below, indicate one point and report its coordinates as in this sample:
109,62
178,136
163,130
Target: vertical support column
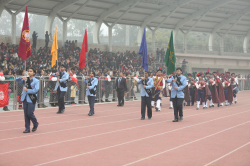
127,36
245,44
13,28
110,38
185,43
175,33
139,36
65,28
153,42
48,24
221,45
96,32
210,42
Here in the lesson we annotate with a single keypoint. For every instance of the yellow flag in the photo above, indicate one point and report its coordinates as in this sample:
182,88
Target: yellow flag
54,49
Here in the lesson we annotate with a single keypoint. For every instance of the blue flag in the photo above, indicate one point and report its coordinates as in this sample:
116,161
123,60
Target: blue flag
144,51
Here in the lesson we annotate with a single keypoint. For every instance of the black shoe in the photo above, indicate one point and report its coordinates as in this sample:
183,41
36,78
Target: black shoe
212,105
142,118
235,102
176,120
135,98
192,105
181,118
170,107
102,101
113,99
107,101
90,114
59,112
204,107
188,105
26,131
149,118
34,129
118,105
197,108
218,105
85,102
63,111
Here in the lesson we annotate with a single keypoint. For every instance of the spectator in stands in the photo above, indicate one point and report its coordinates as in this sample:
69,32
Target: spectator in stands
46,39
34,38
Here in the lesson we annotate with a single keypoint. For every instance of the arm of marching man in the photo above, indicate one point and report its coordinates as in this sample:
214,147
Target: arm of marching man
184,84
164,83
20,80
65,78
150,84
35,88
94,84
125,85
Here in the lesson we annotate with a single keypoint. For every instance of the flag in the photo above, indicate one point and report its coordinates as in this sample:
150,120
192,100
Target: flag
170,56
54,49
82,60
144,52
4,95
24,50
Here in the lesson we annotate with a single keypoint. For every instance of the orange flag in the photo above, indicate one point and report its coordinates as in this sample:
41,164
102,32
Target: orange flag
54,49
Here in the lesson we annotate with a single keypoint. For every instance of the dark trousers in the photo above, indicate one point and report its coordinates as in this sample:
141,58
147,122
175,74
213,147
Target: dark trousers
226,93
201,95
146,101
60,95
107,91
191,92
46,44
120,95
29,109
91,100
177,103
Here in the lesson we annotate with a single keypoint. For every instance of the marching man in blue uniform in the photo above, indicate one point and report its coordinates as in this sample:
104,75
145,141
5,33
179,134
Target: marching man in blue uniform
92,83
146,95
179,82
61,87
29,97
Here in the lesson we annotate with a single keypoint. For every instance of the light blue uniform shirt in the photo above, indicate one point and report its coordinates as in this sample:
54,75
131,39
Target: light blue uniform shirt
64,79
150,84
34,85
94,83
179,93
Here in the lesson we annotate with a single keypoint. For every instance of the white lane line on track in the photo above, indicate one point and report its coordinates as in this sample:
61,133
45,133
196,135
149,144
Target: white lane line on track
53,161
54,111
104,117
124,130
63,115
227,154
187,143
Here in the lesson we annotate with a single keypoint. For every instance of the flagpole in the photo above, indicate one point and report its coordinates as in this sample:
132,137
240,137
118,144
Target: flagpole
87,64
57,61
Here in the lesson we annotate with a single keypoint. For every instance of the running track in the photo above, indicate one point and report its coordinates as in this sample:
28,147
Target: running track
115,136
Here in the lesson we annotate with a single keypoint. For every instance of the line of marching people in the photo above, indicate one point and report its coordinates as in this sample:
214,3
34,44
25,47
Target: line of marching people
208,89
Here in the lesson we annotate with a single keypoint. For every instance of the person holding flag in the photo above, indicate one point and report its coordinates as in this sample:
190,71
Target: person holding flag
147,82
179,82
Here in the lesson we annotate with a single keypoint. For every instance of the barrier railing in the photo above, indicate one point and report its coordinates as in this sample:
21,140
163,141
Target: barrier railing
76,93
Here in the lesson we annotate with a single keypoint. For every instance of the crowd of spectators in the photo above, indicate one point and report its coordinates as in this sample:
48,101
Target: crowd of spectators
97,60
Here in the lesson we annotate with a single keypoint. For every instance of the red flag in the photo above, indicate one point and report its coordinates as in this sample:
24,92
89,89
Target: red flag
4,95
24,50
82,60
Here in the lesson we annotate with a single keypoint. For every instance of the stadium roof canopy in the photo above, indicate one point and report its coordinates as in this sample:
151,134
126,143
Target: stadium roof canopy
220,16
210,16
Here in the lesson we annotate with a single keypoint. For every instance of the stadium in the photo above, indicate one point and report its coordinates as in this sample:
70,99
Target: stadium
68,62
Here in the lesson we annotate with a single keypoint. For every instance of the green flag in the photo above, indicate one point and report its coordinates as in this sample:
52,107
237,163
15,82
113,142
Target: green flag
170,56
